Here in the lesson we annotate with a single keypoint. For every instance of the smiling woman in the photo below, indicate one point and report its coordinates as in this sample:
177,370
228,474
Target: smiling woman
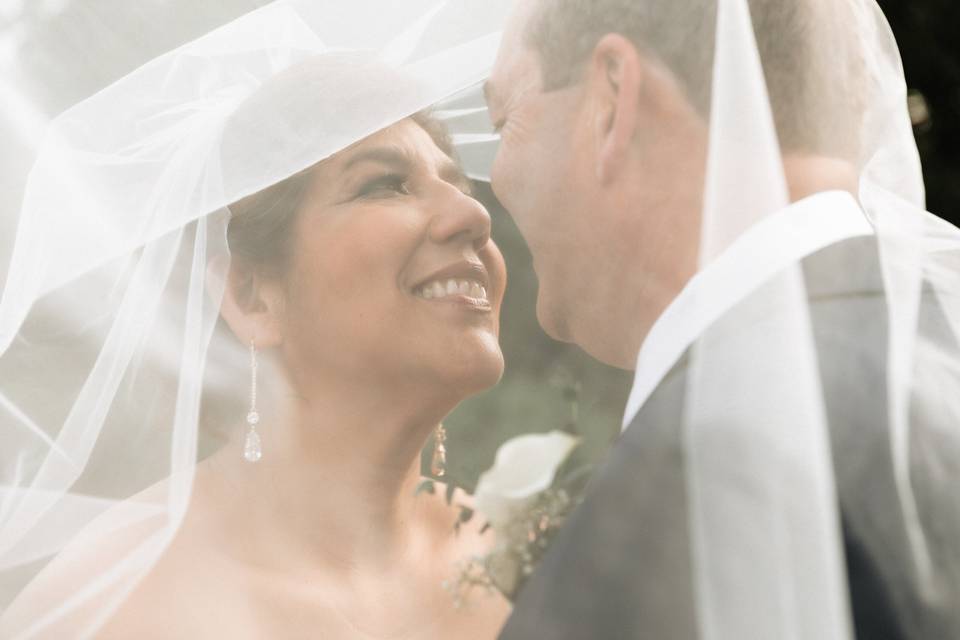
257,225
362,370
371,290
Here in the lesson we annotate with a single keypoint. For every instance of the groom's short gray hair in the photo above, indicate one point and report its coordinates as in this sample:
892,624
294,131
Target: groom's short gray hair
564,32
807,70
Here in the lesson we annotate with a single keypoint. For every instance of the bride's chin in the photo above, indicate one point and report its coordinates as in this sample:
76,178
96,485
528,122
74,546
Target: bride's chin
492,374
475,375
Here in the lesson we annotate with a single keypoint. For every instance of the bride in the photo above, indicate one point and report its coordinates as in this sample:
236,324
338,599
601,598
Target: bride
356,303
378,299
372,284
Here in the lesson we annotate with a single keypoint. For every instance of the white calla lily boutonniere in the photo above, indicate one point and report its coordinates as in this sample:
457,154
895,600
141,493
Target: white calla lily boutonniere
524,468
524,498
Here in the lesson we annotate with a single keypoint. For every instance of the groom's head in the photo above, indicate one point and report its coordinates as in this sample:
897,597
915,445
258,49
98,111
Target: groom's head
603,107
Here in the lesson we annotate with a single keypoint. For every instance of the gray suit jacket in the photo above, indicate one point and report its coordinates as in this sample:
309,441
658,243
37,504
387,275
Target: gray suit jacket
621,567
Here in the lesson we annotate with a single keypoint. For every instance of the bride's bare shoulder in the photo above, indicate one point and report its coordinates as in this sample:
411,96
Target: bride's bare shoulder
192,590
184,596
90,573
132,563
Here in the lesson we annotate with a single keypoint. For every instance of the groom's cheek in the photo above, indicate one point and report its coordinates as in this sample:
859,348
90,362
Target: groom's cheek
520,176
499,176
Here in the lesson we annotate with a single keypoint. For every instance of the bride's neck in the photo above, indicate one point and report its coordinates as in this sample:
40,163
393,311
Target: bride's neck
336,483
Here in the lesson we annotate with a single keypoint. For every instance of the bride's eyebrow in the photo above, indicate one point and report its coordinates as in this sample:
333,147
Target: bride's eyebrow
380,155
449,170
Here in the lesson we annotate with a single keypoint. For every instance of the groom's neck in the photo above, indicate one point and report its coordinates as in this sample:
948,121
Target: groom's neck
808,174
662,269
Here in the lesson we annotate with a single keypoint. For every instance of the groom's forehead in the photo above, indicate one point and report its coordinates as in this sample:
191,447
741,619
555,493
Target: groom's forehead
514,45
516,69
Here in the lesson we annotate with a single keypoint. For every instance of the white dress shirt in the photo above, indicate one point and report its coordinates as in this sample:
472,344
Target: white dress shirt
773,244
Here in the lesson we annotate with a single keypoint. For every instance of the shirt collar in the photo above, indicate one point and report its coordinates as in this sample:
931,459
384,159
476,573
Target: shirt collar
779,240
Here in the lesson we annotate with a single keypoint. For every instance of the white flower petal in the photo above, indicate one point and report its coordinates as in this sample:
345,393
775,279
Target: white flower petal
524,467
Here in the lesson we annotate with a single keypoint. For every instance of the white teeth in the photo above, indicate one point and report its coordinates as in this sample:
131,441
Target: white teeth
451,287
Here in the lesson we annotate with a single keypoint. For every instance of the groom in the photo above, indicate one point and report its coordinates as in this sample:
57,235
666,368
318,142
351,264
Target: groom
601,164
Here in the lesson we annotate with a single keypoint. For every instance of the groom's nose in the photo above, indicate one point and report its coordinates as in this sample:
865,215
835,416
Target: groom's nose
460,218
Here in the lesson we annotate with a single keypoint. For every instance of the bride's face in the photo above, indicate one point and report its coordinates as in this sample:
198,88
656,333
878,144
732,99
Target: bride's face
393,276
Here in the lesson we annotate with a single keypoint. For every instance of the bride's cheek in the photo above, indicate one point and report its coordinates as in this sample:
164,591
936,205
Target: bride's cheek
492,257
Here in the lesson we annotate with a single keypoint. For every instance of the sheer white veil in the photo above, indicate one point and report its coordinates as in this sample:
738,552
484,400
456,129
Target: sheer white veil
112,377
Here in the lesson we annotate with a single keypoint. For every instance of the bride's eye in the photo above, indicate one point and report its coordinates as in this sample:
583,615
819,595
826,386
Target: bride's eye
386,185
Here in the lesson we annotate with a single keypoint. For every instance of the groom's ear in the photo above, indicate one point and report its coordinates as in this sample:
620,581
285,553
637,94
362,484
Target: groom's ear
614,77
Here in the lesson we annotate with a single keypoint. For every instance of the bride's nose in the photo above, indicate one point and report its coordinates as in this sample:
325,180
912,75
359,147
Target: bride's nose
458,217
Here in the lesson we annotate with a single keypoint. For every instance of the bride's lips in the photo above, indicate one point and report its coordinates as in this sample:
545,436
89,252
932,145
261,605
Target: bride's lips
463,283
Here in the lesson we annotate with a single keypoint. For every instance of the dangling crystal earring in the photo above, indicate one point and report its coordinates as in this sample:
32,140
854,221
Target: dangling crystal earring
438,466
251,446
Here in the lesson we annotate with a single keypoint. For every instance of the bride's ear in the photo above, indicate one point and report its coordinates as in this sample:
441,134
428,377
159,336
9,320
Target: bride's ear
615,75
252,303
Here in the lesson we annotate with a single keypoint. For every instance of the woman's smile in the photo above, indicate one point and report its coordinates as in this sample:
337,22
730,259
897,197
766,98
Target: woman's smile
464,284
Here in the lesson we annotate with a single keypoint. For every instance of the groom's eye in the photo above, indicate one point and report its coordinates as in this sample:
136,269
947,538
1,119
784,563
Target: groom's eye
386,185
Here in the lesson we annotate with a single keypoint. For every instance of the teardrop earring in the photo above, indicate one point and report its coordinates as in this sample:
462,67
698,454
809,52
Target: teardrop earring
251,446
438,465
